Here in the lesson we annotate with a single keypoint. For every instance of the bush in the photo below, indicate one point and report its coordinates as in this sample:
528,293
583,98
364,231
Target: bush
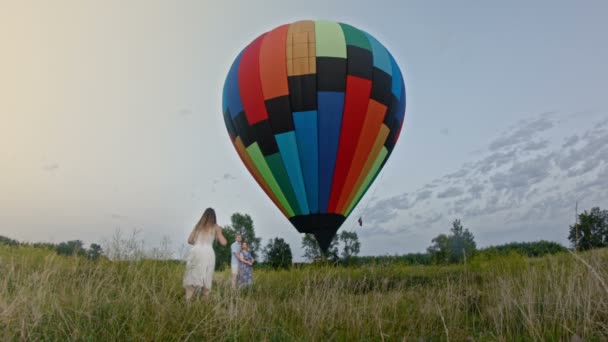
529,249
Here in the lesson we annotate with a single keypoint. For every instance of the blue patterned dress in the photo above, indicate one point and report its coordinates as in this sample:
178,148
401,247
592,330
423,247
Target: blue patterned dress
245,271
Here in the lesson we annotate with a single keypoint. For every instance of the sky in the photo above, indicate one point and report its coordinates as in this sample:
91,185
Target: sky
111,119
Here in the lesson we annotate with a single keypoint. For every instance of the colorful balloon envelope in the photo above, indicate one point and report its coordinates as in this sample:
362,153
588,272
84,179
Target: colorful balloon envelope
314,109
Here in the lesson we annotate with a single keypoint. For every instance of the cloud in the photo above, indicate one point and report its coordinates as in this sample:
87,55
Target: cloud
225,177
495,160
375,231
493,205
523,132
597,184
401,201
385,210
535,145
523,174
549,207
571,140
450,192
602,124
587,166
423,195
429,219
228,176
459,206
528,177
50,167
476,190
185,112
378,215
592,150
430,186
458,174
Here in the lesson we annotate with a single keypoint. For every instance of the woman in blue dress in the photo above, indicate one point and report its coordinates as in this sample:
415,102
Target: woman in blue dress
245,266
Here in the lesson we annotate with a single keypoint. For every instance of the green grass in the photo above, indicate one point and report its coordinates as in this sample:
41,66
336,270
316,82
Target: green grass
44,296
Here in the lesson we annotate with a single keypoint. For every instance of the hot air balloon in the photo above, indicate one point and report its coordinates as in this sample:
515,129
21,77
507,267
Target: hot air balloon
314,109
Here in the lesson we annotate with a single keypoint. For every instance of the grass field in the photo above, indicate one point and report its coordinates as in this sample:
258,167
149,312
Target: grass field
44,296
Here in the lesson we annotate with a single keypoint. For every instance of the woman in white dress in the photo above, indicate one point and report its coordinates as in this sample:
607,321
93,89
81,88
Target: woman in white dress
200,263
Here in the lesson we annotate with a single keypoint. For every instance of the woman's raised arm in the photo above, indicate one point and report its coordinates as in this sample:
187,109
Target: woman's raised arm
192,237
220,237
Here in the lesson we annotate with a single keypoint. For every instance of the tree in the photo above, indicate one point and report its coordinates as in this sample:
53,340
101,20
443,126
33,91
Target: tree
45,245
243,223
311,248
277,253
462,242
452,248
439,249
313,252
350,244
223,254
591,231
94,251
7,241
71,248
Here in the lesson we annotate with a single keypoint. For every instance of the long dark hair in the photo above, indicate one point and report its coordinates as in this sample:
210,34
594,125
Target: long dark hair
207,221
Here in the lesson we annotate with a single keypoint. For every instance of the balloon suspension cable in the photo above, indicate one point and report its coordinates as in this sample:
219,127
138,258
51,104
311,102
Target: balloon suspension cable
369,200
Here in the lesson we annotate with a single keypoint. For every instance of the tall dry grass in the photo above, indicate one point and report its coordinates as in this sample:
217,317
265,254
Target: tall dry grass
48,297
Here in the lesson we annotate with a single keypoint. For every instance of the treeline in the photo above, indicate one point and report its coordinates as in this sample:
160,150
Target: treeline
459,245
528,249
73,247
590,231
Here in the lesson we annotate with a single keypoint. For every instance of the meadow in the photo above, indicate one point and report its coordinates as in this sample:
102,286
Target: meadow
45,296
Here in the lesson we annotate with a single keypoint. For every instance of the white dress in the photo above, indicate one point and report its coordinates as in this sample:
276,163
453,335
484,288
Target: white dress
200,262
